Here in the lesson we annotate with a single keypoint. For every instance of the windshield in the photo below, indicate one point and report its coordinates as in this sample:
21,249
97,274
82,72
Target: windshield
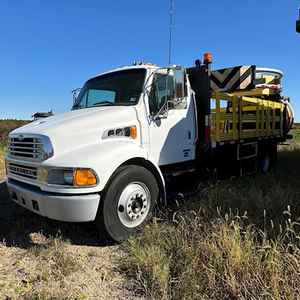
117,88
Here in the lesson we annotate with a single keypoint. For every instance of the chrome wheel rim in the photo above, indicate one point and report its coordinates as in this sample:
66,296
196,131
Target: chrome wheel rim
134,204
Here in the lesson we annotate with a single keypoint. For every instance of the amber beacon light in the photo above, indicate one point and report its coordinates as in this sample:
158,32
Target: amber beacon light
207,58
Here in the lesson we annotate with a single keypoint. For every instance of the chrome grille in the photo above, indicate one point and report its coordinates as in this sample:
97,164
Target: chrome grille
23,171
26,147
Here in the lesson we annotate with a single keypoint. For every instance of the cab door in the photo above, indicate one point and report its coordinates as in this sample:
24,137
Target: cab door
172,130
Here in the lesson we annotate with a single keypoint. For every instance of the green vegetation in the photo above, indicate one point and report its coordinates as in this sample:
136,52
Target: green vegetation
237,239
296,132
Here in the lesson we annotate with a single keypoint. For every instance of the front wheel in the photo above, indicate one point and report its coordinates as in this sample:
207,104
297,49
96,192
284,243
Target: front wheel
127,203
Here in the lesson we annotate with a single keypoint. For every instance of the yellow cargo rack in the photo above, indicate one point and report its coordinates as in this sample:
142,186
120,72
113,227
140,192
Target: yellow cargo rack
242,115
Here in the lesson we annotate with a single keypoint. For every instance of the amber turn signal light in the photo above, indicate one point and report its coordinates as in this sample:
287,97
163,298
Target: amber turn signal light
133,132
84,177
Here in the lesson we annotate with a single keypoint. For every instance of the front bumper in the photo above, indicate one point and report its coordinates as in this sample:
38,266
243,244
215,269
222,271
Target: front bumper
68,208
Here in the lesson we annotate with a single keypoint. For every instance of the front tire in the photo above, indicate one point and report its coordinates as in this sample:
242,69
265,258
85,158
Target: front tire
127,203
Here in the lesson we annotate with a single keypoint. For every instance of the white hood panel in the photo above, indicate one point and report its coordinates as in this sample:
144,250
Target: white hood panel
81,127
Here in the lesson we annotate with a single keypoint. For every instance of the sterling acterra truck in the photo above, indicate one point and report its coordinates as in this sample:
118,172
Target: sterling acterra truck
107,159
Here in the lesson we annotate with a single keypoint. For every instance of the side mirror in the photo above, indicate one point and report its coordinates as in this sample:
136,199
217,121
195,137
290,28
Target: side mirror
168,91
179,84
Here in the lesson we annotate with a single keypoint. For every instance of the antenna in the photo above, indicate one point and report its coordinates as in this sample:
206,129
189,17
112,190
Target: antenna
298,23
171,29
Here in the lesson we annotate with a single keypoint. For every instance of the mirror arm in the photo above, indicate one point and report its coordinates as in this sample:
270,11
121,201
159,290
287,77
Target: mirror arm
159,113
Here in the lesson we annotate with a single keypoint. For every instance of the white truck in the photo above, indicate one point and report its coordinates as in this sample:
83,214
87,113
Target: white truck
106,160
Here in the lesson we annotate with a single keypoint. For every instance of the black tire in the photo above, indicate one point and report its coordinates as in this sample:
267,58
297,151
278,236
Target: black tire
274,154
268,157
265,163
108,220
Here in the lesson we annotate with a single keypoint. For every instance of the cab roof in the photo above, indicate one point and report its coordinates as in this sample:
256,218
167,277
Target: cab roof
131,67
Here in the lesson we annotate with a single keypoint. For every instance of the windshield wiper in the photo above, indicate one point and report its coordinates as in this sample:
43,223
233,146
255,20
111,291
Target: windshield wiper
103,102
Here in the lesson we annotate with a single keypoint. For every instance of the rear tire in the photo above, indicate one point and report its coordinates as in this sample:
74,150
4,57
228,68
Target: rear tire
265,163
267,157
127,203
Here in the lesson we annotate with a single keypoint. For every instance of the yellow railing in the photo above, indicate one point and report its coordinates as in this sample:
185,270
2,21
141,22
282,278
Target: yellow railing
235,116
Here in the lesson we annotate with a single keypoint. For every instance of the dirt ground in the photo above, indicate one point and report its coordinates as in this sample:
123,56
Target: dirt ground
44,259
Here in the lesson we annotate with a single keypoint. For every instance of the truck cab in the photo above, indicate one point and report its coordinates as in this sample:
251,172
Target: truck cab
103,160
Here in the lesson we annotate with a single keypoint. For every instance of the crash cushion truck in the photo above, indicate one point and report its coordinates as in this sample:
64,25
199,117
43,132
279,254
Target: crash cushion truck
107,159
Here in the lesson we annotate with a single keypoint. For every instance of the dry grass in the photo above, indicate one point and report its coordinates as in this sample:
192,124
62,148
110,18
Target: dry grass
43,272
237,239
221,259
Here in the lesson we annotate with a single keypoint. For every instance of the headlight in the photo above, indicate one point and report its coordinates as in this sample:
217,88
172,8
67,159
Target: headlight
130,131
68,177
42,175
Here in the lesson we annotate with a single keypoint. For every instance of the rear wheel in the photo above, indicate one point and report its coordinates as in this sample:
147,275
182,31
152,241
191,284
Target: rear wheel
128,202
267,157
265,163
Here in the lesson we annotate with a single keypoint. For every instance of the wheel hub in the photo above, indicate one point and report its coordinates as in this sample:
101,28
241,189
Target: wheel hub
134,204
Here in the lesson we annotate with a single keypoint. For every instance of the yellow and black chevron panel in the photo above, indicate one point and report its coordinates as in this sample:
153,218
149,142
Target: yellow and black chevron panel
233,79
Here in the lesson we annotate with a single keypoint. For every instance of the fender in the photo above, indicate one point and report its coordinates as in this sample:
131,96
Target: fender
150,165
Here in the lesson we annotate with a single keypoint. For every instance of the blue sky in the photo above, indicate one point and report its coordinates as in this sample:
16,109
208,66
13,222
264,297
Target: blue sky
48,48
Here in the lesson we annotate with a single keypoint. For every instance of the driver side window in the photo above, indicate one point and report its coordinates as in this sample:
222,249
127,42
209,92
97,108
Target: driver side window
162,91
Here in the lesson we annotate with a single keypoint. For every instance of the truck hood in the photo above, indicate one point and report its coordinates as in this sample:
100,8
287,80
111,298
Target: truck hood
82,127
